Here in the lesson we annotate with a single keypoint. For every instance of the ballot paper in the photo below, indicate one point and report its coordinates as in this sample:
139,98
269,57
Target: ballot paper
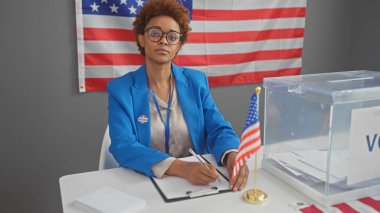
109,200
312,164
174,188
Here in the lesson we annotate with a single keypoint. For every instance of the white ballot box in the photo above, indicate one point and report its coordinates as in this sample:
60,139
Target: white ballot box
322,134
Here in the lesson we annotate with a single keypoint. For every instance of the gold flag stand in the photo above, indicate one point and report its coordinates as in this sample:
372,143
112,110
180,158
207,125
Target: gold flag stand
255,196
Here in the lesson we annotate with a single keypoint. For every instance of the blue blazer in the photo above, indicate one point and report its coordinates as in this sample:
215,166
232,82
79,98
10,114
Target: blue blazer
128,100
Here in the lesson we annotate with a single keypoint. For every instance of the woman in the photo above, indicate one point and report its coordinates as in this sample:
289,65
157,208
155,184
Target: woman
159,111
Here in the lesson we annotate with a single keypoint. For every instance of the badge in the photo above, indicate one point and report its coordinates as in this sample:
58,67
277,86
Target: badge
142,119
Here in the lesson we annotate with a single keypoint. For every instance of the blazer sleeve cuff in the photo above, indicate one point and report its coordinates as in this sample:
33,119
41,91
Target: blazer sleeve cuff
161,167
225,155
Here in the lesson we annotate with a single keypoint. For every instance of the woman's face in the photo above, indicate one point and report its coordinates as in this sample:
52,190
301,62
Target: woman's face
161,51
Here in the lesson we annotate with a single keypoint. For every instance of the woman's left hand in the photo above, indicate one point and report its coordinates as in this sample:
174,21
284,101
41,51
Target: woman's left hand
239,181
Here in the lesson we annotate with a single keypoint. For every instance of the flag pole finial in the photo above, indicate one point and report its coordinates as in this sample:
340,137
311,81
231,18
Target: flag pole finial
258,90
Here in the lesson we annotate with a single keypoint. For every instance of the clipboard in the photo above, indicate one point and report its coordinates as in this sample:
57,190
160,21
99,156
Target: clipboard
174,189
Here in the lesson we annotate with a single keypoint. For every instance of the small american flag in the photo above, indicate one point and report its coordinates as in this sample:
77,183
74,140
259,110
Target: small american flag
250,141
232,41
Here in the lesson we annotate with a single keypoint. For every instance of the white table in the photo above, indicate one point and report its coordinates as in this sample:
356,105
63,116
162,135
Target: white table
280,194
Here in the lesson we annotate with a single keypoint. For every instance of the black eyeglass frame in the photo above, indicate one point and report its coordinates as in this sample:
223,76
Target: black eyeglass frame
164,33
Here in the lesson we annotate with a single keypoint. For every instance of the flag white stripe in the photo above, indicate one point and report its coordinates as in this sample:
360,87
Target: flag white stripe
111,47
93,21
361,207
250,128
250,138
247,25
108,71
246,4
245,150
198,49
96,21
269,65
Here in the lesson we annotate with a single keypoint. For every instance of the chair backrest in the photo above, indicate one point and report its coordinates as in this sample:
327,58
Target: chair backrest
106,160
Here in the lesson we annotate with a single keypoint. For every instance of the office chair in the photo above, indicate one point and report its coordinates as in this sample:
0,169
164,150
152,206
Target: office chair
106,160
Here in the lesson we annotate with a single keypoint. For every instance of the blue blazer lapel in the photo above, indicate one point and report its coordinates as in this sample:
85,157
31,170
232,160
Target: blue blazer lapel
188,104
140,101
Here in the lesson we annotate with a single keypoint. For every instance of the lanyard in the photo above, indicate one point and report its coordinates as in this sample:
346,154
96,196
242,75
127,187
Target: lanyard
167,123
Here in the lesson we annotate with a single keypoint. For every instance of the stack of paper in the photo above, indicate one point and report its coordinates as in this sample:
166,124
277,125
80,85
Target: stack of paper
313,164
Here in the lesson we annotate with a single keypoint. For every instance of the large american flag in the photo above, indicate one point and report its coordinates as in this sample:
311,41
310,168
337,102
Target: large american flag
250,141
232,41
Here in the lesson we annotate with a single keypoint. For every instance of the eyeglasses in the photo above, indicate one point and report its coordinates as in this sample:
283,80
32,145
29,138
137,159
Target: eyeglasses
155,34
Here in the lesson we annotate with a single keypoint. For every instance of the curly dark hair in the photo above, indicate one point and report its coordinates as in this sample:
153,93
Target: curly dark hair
153,8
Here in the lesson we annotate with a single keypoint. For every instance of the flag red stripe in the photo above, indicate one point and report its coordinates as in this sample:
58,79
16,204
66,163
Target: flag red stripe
311,209
245,36
95,84
251,77
371,202
345,208
234,15
92,59
108,34
249,143
247,154
253,131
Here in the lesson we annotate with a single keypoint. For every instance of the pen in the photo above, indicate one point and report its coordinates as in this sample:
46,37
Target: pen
199,159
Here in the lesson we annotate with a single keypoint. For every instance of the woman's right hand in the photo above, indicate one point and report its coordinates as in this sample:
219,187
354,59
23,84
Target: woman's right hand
195,172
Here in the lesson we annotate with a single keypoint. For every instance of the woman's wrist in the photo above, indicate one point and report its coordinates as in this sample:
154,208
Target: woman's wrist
227,156
176,169
225,159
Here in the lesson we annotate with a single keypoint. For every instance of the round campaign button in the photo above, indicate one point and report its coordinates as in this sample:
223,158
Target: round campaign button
142,119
